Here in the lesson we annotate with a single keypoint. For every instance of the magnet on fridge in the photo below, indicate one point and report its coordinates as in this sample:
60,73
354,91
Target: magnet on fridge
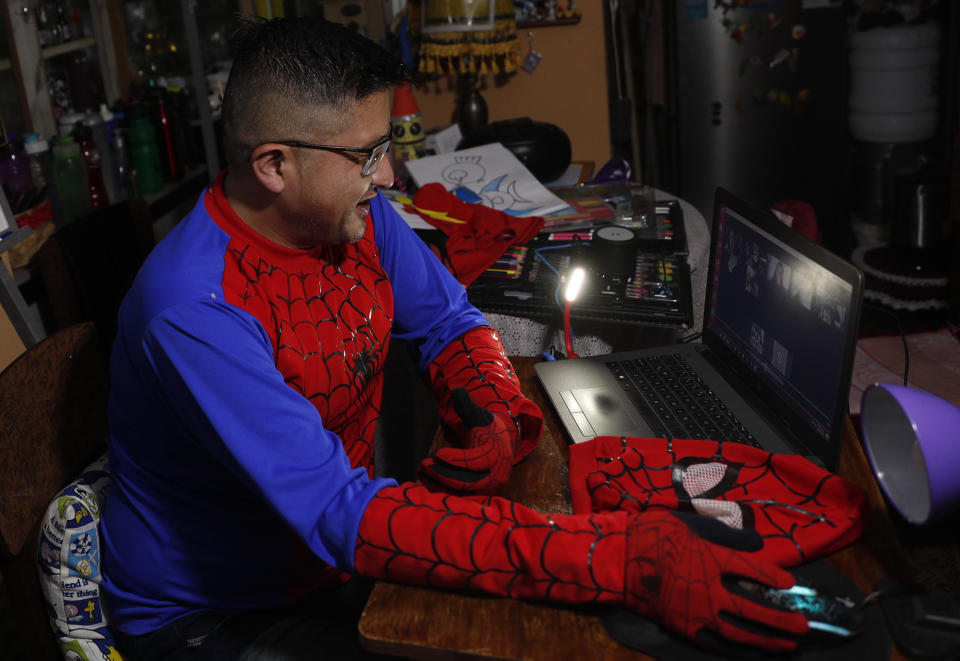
780,57
798,32
773,21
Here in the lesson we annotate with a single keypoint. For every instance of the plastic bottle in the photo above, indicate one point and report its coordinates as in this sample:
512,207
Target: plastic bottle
38,154
76,29
94,121
144,156
41,167
16,171
93,157
70,179
43,29
166,123
68,122
109,122
125,173
63,23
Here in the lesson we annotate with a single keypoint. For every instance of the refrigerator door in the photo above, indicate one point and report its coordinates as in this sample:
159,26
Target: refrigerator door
760,102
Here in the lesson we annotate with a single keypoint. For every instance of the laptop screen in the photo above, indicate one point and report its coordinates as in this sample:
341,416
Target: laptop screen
784,316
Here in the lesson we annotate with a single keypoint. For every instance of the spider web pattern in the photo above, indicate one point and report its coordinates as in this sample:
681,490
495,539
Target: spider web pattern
477,362
676,577
409,534
328,315
799,510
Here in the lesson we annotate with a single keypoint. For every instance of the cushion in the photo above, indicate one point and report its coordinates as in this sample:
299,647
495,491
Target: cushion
68,557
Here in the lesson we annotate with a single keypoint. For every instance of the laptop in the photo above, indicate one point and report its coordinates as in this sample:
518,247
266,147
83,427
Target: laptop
773,367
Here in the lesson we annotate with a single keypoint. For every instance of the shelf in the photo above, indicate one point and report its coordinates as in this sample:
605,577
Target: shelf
546,23
69,47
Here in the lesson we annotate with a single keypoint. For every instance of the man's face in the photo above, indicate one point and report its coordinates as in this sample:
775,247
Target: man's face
330,200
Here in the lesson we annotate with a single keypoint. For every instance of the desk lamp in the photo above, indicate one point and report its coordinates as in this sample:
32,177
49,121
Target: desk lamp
469,38
574,285
912,439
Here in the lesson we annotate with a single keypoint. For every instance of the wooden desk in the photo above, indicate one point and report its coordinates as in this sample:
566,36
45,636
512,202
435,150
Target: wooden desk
422,623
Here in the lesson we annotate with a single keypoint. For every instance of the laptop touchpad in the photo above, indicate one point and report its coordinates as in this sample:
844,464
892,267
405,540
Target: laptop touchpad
601,408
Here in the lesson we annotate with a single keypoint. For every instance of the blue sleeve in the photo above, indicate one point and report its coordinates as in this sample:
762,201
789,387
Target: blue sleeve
216,364
431,307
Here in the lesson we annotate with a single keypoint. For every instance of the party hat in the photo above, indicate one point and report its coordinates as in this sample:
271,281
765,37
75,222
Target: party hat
404,103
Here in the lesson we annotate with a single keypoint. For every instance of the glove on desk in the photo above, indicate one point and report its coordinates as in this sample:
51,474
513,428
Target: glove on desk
653,562
797,509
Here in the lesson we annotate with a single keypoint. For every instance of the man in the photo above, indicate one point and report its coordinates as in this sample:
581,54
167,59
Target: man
246,381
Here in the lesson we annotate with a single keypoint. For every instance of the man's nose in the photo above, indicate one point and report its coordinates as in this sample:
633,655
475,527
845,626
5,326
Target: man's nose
383,176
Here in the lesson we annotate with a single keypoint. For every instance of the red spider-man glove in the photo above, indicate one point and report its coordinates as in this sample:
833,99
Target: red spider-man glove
679,575
483,464
476,362
653,562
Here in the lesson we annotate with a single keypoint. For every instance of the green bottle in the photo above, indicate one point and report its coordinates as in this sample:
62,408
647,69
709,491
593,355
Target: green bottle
70,179
142,139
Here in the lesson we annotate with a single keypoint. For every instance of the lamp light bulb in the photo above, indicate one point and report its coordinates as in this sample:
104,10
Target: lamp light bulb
574,284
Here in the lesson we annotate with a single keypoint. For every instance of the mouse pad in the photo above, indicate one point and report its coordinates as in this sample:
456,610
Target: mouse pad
875,643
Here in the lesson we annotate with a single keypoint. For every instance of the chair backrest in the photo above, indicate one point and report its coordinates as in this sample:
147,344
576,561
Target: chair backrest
53,422
87,266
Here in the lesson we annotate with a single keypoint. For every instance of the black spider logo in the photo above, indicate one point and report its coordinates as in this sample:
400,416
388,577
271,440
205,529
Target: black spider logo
363,367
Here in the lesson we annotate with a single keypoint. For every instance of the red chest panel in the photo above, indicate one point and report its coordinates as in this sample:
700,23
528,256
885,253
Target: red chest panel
328,314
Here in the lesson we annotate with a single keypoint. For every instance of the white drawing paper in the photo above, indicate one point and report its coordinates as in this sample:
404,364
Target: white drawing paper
489,175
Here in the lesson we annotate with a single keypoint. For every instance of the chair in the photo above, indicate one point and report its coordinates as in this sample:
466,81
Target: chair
87,266
53,422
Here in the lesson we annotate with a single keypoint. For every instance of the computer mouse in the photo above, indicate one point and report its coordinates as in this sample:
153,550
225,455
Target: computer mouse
834,618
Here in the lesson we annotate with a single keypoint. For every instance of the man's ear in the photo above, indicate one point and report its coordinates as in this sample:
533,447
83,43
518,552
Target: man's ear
270,164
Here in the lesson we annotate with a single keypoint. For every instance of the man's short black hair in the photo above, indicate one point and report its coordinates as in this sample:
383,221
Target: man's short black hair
284,69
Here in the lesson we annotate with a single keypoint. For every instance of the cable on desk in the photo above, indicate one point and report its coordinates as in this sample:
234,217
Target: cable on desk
903,338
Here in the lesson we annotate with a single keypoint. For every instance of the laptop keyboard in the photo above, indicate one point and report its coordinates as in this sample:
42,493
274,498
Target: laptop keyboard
668,387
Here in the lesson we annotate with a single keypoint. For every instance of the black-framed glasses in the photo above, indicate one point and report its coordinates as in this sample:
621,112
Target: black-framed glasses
374,152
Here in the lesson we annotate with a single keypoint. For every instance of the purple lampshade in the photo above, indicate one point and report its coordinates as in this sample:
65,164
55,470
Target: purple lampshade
912,439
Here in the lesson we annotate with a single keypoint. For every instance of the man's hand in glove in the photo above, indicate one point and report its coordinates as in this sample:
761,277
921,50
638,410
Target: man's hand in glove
682,570
483,464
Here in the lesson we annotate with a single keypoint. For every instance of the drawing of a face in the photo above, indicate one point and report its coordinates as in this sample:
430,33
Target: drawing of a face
464,170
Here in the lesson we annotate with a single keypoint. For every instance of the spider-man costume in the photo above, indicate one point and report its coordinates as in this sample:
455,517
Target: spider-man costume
246,379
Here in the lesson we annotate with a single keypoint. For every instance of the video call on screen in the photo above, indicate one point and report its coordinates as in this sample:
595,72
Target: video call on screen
781,312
